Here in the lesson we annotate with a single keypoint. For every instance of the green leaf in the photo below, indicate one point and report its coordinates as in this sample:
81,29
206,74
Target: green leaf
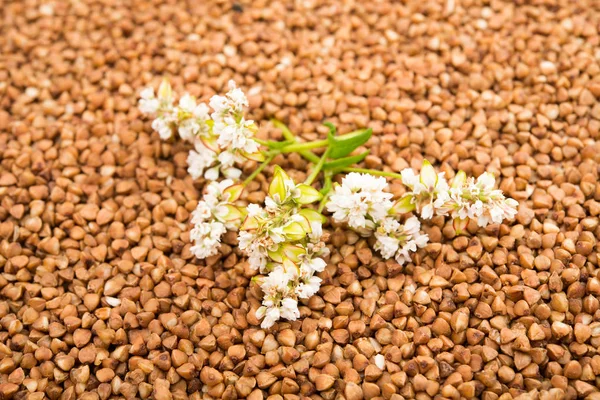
343,145
344,162
332,128
276,256
250,223
233,213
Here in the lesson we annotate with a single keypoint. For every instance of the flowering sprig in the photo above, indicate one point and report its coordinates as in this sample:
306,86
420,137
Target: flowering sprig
361,202
222,139
284,237
399,240
284,240
465,199
425,189
215,214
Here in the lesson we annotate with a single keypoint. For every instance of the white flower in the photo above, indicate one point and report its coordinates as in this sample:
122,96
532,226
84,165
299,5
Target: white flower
477,200
360,201
188,129
245,239
308,288
201,213
289,309
200,159
271,315
220,106
276,282
195,117
207,238
312,265
387,246
429,190
187,103
485,182
227,158
232,103
148,103
236,135
257,258
163,127
409,178
316,232
399,241
254,210
236,97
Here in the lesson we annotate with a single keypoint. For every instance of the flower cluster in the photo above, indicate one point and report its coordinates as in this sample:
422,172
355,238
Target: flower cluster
361,203
399,240
284,240
222,139
215,214
478,200
464,199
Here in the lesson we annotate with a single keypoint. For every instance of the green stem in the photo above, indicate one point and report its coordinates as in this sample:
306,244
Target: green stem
261,142
288,135
285,131
296,147
317,169
374,172
258,170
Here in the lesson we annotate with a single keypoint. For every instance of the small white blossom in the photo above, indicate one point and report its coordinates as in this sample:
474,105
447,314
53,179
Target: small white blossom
270,315
193,118
308,288
236,97
200,159
148,103
386,245
399,241
289,309
232,103
360,201
276,283
236,135
162,125
229,136
426,188
478,200
207,238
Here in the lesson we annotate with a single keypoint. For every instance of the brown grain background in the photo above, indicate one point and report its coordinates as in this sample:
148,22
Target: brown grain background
93,207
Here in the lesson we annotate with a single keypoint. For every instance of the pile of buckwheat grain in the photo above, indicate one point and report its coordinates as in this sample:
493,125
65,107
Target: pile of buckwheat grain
101,298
